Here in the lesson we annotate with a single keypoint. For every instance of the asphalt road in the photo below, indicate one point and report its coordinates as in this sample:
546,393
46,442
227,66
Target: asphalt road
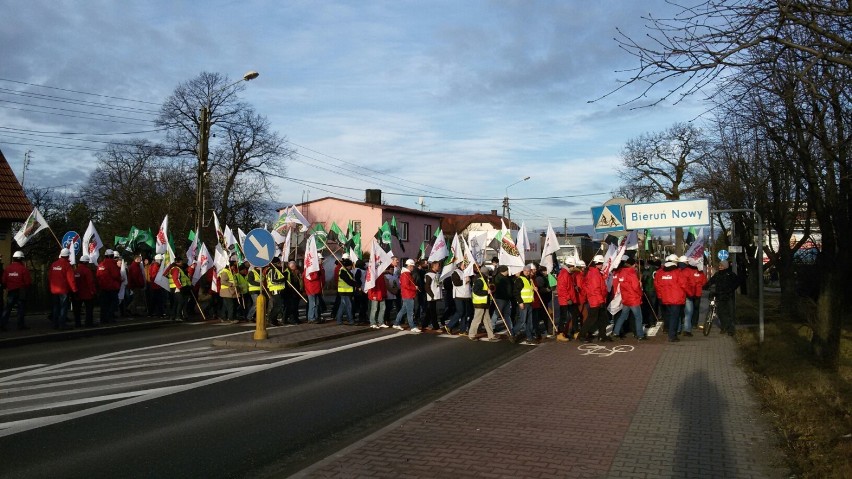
270,423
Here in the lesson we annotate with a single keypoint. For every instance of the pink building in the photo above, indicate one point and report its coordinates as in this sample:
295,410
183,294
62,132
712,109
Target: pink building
414,226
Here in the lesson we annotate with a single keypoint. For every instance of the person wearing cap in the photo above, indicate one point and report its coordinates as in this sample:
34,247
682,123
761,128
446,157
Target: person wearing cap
156,294
86,292
595,287
695,280
16,280
228,290
723,285
408,293
671,289
136,284
108,277
275,285
292,293
461,293
524,295
60,278
434,293
181,288
346,286
566,295
503,295
627,279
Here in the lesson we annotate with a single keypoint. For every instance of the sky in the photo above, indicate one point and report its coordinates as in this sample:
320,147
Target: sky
445,100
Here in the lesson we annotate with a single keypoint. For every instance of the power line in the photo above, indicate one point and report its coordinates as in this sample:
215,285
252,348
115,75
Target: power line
80,92
76,111
49,146
40,96
71,139
86,133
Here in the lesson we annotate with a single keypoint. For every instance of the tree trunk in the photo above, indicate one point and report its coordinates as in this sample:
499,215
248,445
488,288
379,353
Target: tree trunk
827,325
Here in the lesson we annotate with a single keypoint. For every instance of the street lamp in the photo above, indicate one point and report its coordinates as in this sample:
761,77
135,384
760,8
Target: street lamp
203,145
506,211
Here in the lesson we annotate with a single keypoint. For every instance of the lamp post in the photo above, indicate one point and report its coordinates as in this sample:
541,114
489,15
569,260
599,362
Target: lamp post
203,145
506,211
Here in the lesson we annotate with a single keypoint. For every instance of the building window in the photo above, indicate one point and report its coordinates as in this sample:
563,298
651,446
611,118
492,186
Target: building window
427,232
402,229
356,225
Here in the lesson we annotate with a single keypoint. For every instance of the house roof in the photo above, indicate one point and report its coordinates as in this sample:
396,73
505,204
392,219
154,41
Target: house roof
399,209
14,204
457,223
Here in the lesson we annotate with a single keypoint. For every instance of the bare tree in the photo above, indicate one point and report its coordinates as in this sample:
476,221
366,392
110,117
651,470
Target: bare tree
662,166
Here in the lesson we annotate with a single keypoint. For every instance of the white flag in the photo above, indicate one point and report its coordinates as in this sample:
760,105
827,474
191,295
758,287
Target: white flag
439,248
551,245
477,241
34,223
285,252
92,243
379,260
220,258
162,240
192,252
523,243
205,262
456,256
468,257
509,255
168,257
311,262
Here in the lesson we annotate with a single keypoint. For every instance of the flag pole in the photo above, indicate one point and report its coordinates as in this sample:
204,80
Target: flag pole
546,310
496,308
54,237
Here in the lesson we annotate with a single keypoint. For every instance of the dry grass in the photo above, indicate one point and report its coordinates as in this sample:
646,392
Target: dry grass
810,407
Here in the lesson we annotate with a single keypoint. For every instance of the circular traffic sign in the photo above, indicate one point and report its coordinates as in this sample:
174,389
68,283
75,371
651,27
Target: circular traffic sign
71,238
722,254
259,247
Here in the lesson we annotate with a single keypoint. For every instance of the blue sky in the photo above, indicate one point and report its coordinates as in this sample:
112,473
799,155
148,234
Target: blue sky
436,98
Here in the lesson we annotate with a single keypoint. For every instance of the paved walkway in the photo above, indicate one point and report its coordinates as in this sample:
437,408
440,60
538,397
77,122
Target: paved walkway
632,410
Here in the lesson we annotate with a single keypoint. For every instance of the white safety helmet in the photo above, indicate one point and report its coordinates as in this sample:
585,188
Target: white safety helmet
158,257
581,263
345,256
108,252
682,259
64,253
84,258
671,258
116,254
571,261
529,266
598,259
18,254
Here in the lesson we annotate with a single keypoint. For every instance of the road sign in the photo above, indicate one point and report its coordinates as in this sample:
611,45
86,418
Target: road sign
667,214
71,237
607,218
722,254
735,249
259,247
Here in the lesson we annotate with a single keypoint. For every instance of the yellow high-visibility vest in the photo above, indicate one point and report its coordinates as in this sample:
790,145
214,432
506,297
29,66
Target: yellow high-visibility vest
477,299
527,292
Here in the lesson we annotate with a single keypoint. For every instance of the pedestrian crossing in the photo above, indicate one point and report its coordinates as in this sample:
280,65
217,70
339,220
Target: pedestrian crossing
41,394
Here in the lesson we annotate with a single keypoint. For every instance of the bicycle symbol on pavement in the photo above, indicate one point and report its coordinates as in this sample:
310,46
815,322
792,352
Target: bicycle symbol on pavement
603,351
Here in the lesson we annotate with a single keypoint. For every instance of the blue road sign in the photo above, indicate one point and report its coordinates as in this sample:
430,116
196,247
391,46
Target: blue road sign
607,218
72,237
259,247
722,254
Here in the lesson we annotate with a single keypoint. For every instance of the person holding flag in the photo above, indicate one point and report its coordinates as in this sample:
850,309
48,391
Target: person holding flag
157,298
179,280
434,293
86,292
312,277
566,295
524,296
228,290
16,280
346,285
408,293
292,293
108,277
594,285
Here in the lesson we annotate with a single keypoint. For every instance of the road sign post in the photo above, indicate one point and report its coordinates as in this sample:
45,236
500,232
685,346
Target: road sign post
259,248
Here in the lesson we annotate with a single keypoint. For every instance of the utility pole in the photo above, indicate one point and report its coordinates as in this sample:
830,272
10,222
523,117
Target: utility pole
203,144
505,206
565,227
26,165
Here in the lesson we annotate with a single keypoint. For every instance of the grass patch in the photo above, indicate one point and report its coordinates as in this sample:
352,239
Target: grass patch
810,407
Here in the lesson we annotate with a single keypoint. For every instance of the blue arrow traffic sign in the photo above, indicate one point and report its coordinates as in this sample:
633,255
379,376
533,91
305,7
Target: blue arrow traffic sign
722,254
259,247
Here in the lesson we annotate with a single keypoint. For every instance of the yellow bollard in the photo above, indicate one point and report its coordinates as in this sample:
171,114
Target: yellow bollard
260,319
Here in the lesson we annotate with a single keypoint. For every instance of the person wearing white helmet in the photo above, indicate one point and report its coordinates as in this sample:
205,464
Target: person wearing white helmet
671,289
60,277
595,289
108,276
695,280
16,280
626,280
86,292
566,295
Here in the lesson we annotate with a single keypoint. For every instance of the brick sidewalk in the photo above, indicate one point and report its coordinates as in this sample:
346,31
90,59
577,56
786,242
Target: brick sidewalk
562,412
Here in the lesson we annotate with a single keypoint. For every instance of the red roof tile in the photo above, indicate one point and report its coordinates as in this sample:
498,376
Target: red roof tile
14,204
457,223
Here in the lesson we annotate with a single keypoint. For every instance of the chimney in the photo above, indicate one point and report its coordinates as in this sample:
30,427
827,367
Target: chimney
374,197
494,212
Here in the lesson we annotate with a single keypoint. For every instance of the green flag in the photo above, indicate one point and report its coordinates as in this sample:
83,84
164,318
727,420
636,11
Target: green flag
147,237
335,230
356,245
191,236
395,232
384,233
422,253
120,241
320,235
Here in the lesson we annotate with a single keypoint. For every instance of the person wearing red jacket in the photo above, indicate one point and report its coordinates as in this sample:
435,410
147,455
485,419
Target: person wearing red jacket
408,292
156,294
376,295
85,295
671,288
313,291
109,282
595,287
696,279
566,294
16,279
627,280
61,281
580,285
136,285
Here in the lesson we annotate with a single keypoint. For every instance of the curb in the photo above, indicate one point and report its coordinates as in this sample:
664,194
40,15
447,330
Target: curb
83,332
272,345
